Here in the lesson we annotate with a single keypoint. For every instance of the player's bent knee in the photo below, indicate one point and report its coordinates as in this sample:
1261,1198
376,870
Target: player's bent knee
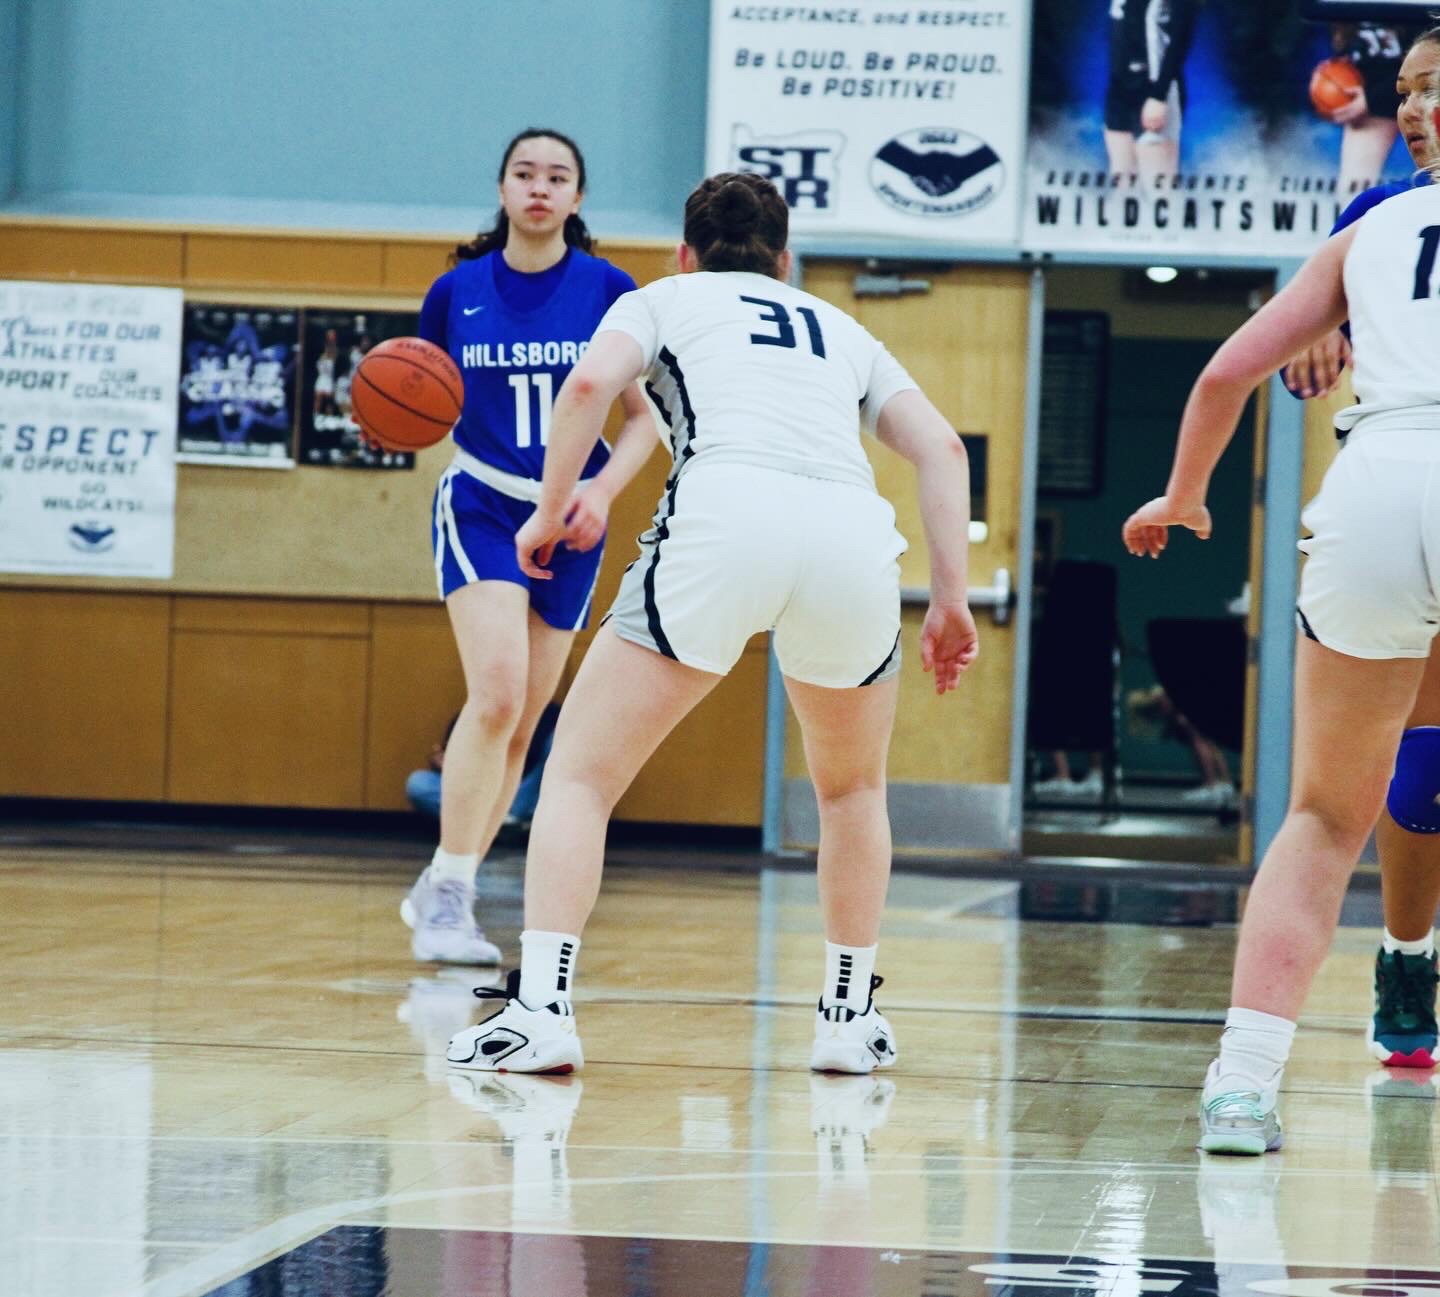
1412,799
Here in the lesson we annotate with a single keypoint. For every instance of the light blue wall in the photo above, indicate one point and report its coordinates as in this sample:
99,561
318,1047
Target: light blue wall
367,112
9,67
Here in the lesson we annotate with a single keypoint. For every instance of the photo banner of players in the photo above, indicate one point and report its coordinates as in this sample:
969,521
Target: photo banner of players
334,343
237,385
87,429
877,120
1205,126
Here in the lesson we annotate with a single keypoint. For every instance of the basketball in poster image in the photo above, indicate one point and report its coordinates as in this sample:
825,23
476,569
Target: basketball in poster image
407,394
336,341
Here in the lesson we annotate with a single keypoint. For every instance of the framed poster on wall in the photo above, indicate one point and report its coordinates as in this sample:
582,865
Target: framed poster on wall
335,343
237,385
1074,370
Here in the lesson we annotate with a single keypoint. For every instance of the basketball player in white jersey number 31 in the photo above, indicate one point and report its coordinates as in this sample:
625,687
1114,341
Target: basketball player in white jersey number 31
770,519
1368,610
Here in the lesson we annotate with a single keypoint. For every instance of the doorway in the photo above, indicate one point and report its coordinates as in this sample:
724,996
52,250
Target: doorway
1137,699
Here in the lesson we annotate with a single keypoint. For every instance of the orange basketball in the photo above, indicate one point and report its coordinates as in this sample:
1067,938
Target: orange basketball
1332,84
406,394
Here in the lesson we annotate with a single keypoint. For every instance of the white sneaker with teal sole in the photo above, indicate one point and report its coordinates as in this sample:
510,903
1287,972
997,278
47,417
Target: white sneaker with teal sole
441,914
1235,1119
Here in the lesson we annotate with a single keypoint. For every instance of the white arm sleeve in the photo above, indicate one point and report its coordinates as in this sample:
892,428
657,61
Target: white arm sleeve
637,314
887,378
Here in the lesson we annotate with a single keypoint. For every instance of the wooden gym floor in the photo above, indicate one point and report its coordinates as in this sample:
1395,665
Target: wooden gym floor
220,1072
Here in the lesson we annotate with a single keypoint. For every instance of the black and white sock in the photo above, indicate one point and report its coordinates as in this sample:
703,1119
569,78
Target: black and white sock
847,977
547,968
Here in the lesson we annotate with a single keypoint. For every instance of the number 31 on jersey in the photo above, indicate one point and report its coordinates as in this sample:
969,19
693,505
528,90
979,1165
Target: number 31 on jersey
544,386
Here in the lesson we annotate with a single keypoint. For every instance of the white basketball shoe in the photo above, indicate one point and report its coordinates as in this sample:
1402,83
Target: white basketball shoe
518,1038
441,913
847,1040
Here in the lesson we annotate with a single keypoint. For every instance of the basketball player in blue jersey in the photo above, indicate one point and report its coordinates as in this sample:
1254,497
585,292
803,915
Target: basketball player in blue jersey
515,314
1402,1032
1369,607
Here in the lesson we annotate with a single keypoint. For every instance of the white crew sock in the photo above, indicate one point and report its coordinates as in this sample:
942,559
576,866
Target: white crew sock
847,976
1425,946
460,866
1254,1049
547,967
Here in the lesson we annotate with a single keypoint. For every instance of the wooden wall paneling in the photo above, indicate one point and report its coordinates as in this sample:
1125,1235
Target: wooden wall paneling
415,687
711,770
90,254
411,266
268,718
284,261
83,694
272,616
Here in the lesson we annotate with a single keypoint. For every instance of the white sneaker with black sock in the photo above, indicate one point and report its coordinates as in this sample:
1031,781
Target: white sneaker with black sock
852,1040
519,1038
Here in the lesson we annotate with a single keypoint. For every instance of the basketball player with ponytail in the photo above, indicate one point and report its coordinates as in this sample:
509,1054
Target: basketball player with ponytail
515,314
770,520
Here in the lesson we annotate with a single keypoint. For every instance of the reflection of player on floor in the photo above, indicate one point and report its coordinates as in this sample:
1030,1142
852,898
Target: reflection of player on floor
1367,607
1145,97
529,286
770,519
1402,1031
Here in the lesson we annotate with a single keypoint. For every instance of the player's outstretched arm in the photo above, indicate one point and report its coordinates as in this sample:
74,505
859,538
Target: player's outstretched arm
912,427
590,506
612,362
1307,308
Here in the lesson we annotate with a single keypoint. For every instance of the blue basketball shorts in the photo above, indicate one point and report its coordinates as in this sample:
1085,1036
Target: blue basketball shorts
473,527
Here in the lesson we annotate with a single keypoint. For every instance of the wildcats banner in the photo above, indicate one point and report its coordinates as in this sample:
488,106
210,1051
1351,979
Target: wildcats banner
1222,126
876,120
87,429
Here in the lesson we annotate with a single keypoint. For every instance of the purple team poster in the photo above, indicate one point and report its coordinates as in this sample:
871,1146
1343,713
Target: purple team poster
237,385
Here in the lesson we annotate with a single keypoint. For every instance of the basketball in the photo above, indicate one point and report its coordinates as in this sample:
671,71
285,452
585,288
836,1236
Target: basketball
406,394
1332,85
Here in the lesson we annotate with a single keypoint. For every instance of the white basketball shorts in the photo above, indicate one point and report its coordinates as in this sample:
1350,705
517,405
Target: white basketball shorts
737,549
1368,588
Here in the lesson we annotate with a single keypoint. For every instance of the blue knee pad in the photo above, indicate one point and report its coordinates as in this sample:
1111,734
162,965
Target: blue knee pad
1415,785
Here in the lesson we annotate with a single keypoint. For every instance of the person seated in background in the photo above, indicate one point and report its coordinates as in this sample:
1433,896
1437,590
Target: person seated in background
1063,784
1153,710
422,788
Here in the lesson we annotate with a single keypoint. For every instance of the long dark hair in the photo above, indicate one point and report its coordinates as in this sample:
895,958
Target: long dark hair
737,221
576,235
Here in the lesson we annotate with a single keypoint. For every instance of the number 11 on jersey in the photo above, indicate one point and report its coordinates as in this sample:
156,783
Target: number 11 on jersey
544,386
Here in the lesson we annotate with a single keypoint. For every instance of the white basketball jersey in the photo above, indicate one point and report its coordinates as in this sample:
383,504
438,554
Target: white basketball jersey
1392,286
745,369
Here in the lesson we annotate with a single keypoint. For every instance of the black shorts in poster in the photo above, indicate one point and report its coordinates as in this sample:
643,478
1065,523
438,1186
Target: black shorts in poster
335,341
237,385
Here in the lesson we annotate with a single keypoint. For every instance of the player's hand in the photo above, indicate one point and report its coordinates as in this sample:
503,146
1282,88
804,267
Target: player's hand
535,543
1357,108
1154,113
949,643
1147,530
586,516
1316,372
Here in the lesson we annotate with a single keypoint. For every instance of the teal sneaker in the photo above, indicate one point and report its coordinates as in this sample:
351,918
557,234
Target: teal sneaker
1402,1032
1238,1121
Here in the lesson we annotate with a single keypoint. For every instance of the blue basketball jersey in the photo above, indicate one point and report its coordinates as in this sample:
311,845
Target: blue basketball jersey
515,338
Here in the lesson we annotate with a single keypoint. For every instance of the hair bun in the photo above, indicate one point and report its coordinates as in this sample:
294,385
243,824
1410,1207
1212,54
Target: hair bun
736,203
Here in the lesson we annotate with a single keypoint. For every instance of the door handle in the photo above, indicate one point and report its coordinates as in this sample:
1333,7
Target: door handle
998,597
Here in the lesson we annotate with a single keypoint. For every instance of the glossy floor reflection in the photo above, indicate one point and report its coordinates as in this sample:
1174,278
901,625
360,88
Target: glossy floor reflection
222,1077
